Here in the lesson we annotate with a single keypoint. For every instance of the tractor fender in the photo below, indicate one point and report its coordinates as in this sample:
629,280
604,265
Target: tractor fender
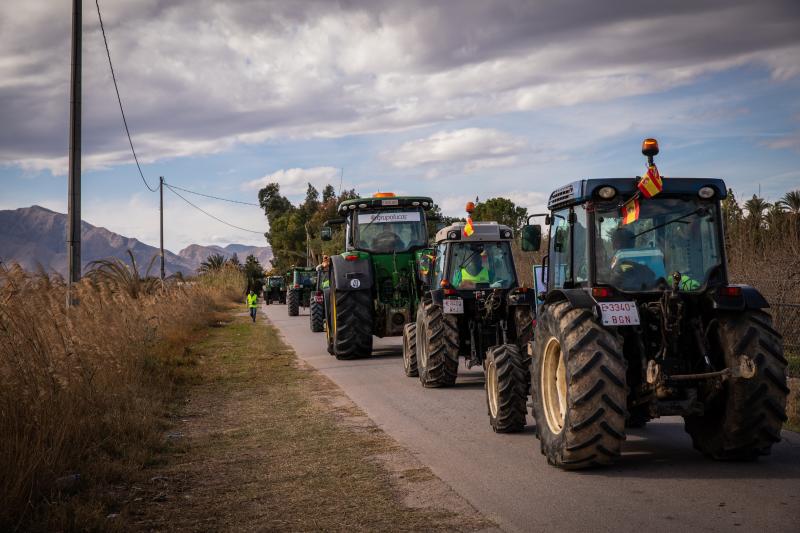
352,275
751,298
578,298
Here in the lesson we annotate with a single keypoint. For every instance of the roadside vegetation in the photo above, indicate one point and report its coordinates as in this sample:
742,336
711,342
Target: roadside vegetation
265,443
85,388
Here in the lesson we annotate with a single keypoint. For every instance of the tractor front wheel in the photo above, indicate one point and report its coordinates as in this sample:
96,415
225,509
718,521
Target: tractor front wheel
578,388
746,417
293,300
507,373
437,346
410,350
352,323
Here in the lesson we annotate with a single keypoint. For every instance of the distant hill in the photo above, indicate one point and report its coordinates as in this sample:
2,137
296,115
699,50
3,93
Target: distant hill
33,236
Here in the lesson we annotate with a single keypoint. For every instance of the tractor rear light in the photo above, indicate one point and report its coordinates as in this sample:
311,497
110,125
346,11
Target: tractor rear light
449,292
731,292
607,192
351,257
601,292
296,285
706,192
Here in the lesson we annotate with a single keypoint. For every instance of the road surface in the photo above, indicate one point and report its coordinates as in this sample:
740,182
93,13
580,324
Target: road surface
660,483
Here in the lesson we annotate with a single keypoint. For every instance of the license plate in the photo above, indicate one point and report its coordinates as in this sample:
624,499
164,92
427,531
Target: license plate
619,313
454,306
319,298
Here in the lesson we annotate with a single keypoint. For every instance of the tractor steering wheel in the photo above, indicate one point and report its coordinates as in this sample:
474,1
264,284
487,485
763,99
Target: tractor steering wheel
635,277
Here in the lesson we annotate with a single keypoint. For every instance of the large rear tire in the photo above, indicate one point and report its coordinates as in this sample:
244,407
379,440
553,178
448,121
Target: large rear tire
316,315
578,388
437,346
352,323
523,329
507,373
745,419
293,301
410,350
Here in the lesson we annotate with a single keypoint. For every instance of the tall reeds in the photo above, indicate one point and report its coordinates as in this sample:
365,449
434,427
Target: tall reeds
83,387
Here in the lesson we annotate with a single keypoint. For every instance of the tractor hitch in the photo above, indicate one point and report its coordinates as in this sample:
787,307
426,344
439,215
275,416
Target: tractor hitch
746,369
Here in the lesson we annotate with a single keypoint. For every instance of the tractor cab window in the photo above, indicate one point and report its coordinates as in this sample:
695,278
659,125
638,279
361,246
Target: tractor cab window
389,230
275,282
670,235
304,279
482,265
438,265
560,246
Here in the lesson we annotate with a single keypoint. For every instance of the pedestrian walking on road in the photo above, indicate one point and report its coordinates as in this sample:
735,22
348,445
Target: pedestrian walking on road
252,303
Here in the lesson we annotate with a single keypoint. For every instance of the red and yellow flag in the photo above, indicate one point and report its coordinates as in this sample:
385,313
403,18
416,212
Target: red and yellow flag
468,229
630,211
651,184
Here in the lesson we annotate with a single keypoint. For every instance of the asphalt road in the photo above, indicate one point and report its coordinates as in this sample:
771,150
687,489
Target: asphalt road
660,483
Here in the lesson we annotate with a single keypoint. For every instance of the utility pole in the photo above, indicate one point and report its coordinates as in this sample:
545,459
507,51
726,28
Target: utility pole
161,211
74,193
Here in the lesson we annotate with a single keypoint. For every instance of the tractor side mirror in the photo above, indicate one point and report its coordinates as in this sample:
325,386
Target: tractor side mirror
326,233
531,237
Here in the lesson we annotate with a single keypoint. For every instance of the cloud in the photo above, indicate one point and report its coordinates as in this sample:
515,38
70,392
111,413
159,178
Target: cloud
294,181
476,147
201,76
785,142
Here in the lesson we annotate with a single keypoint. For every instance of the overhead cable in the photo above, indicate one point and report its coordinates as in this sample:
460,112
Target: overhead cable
119,99
209,214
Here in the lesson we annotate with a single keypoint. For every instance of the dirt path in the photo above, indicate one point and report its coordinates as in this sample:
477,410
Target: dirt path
263,442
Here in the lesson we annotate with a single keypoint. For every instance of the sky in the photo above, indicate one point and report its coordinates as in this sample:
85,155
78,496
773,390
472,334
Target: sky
451,99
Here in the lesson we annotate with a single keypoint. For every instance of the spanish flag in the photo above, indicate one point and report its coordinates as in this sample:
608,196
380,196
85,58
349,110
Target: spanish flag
468,229
630,211
650,184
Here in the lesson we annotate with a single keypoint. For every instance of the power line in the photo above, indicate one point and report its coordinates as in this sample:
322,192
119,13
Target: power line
210,196
119,99
209,214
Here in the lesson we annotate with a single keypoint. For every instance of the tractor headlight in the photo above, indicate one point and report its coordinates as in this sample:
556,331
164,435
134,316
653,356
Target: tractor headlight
506,234
453,235
706,192
607,192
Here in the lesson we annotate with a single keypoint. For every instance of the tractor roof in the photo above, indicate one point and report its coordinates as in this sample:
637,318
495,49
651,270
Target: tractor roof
304,269
583,190
385,201
483,232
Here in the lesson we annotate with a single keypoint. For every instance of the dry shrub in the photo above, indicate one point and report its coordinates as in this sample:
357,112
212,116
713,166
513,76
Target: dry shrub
83,389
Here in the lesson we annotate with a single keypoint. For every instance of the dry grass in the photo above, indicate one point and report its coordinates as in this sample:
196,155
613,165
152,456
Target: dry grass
268,445
84,389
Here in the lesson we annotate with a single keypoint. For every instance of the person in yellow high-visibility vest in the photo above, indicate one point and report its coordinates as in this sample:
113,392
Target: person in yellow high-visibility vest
252,303
468,276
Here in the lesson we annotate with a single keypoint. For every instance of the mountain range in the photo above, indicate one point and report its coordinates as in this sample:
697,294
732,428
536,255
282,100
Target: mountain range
34,236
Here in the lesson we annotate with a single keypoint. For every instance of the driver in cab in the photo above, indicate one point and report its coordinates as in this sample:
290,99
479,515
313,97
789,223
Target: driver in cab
472,273
388,240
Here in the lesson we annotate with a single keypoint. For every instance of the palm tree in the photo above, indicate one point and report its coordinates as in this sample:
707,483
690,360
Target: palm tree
755,207
123,278
213,262
791,201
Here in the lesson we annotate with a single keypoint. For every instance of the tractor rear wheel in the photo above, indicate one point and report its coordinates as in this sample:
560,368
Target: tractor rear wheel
410,350
316,315
352,323
293,300
507,372
437,346
578,388
746,417
523,325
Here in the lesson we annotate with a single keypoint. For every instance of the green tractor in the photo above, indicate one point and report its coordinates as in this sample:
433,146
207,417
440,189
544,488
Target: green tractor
376,282
275,290
639,320
299,293
475,308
